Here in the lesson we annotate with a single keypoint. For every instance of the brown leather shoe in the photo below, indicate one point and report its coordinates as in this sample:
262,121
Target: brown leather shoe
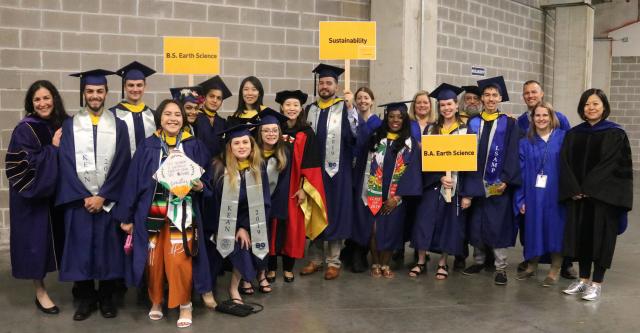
310,268
332,273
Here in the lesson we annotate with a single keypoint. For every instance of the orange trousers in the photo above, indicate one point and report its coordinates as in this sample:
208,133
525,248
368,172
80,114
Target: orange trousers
167,258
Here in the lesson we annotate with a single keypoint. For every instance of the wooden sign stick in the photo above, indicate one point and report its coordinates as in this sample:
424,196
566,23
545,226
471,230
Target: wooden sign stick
347,75
447,191
190,80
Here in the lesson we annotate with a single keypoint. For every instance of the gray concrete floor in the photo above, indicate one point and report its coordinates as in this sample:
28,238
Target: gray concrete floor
359,303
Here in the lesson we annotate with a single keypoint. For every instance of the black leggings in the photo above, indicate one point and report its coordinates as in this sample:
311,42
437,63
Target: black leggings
585,270
287,263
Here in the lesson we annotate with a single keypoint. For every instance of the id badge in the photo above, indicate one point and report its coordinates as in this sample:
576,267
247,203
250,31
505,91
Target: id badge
541,181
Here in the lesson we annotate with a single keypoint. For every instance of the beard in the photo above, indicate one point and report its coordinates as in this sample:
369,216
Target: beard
326,94
473,110
95,110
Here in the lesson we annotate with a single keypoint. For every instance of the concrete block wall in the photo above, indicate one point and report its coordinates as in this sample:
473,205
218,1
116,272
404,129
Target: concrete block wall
275,40
506,37
625,100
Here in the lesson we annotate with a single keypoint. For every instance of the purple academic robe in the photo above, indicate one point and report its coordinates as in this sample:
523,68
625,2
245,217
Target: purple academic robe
135,202
93,247
32,171
389,228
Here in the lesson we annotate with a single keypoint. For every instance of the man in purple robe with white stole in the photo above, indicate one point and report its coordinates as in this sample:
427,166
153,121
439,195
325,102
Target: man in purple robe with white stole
492,221
132,110
94,156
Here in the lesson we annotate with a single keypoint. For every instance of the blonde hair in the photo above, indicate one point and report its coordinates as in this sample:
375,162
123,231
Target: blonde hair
554,123
255,162
278,148
431,117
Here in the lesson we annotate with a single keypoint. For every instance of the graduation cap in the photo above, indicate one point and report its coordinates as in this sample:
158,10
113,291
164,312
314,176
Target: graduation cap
473,90
215,83
402,106
96,77
495,82
324,70
282,96
187,94
446,91
237,131
271,116
134,71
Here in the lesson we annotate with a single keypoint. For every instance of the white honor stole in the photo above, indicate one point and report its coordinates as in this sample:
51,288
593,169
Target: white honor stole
334,134
93,164
272,173
147,119
229,215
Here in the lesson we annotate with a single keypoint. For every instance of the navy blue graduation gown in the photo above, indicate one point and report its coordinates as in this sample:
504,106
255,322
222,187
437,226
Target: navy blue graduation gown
209,133
241,259
439,226
339,188
32,171
136,201
545,216
93,247
138,121
389,228
492,220
280,205
524,121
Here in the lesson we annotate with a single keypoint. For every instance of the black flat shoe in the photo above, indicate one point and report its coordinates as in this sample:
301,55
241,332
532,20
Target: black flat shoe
85,309
52,310
288,279
108,308
271,278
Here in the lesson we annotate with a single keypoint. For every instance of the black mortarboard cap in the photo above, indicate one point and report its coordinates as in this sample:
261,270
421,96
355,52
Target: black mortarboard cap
495,82
215,83
282,96
187,94
134,71
473,90
271,116
402,106
324,70
237,131
95,77
446,91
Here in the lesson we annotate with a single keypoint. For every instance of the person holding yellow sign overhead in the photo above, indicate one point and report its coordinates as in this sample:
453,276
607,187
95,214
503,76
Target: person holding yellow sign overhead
386,172
440,226
335,123
492,186
249,102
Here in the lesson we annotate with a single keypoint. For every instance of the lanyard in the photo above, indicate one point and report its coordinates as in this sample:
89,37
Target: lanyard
544,154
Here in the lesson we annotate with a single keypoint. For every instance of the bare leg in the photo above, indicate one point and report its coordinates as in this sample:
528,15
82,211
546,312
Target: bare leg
42,295
209,300
233,286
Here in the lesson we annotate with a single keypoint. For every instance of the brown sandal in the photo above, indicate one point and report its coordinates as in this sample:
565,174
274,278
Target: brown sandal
375,271
387,272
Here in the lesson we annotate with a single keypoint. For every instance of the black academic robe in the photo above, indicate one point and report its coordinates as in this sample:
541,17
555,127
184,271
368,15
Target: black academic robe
595,161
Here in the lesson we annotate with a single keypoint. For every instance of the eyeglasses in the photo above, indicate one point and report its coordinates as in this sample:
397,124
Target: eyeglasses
270,131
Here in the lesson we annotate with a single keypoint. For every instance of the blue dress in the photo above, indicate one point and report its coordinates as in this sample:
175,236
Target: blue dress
544,216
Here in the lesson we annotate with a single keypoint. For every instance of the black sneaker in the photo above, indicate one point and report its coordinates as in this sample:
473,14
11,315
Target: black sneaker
473,269
501,278
459,264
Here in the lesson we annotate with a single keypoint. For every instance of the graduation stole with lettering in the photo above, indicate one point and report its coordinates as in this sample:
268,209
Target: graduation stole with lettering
226,238
126,114
334,131
372,182
93,160
496,152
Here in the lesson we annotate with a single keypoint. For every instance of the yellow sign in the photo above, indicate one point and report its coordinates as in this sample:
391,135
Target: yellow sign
341,40
449,152
191,55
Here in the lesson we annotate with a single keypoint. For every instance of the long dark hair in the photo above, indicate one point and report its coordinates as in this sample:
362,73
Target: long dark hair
241,104
603,97
59,113
158,114
381,132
